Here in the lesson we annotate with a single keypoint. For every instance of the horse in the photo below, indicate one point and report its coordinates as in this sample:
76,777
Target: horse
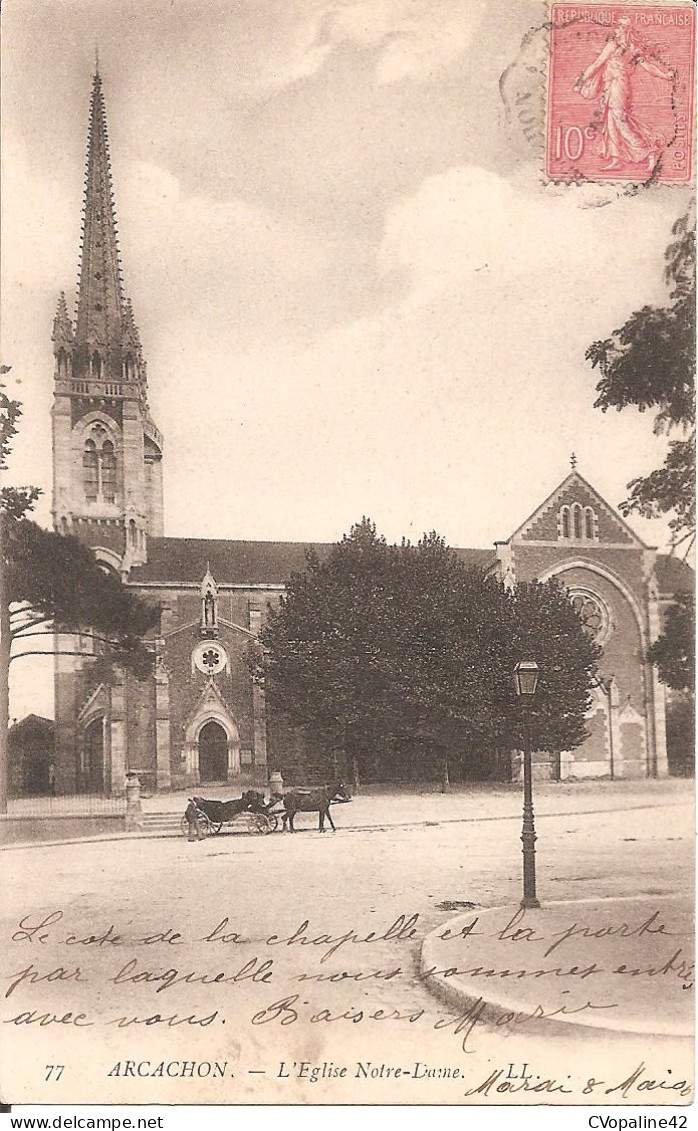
312,801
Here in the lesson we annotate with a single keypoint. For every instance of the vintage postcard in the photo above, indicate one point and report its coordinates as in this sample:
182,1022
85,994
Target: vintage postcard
347,571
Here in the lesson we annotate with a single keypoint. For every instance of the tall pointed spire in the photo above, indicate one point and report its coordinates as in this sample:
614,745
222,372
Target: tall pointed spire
100,300
107,449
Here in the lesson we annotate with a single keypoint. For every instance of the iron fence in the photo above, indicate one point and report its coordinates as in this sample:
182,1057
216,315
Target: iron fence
68,805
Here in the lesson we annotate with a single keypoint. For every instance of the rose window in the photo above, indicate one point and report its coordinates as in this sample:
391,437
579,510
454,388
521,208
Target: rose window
592,613
209,658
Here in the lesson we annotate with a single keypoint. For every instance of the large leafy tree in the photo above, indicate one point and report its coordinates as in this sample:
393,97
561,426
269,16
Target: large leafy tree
545,626
51,584
649,364
326,651
55,586
450,653
407,643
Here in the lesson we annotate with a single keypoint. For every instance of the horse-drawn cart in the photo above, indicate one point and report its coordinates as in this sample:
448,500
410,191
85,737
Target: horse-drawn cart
248,812
203,817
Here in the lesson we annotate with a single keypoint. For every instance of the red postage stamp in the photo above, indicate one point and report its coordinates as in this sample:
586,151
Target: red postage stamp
621,93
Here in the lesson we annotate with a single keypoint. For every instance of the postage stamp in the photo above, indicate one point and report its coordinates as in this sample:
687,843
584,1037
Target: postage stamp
620,93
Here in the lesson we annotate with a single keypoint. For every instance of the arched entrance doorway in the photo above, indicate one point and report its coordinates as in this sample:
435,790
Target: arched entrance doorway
213,753
93,758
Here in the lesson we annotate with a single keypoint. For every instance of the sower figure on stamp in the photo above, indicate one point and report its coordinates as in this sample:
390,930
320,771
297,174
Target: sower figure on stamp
609,78
192,819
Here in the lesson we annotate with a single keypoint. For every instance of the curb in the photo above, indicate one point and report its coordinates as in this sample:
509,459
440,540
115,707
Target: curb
170,833
495,1009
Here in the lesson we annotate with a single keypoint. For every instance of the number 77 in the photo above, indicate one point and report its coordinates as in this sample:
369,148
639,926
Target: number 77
54,1071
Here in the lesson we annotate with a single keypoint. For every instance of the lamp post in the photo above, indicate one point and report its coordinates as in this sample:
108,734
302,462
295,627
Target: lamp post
526,681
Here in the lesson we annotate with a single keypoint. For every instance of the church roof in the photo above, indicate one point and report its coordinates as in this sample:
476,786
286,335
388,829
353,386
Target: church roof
184,561
32,722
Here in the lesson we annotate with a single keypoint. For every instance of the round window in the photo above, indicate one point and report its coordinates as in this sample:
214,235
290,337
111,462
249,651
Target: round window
210,658
593,613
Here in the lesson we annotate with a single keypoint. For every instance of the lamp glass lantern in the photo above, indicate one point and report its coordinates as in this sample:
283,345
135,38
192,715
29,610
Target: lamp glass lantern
526,678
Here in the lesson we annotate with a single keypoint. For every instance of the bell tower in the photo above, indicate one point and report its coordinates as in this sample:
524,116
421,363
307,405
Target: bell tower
107,452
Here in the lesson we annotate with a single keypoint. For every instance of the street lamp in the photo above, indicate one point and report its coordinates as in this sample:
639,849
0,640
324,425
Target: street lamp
526,681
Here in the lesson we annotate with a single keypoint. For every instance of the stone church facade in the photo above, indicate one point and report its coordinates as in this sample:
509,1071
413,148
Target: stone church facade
200,718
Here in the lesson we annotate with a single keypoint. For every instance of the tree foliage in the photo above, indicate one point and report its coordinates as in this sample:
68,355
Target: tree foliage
681,734
674,652
649,363
669,490
409,643
54,584
546,627
15,501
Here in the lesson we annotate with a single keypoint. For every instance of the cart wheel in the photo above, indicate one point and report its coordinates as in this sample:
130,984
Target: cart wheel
204,824
260,823
273,822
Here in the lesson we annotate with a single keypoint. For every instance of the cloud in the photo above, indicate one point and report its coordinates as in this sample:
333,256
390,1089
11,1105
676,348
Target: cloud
453,406
300,53
469,220
415,38
229,260
438,407
412,39
161,218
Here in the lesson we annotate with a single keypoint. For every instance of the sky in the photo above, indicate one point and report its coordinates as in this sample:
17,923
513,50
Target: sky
356,294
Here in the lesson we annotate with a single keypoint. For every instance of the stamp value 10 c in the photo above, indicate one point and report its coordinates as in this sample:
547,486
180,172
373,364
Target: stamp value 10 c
621,93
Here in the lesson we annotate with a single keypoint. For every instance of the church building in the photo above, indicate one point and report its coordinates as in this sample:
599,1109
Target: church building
200,719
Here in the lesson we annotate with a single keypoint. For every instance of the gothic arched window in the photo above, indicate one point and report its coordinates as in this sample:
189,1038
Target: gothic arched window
108,471
577,520
565,522
589,524
99,466
96,365
90,470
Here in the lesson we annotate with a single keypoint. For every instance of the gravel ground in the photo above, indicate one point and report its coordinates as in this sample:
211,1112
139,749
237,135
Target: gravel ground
397,867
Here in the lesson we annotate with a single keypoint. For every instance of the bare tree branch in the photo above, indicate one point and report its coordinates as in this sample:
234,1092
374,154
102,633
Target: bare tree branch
60,652
52,632
16,633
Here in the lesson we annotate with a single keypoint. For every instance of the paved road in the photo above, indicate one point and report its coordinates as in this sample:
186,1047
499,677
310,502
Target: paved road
398,881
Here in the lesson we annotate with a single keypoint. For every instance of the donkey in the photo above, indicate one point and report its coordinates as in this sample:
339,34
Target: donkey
312,801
